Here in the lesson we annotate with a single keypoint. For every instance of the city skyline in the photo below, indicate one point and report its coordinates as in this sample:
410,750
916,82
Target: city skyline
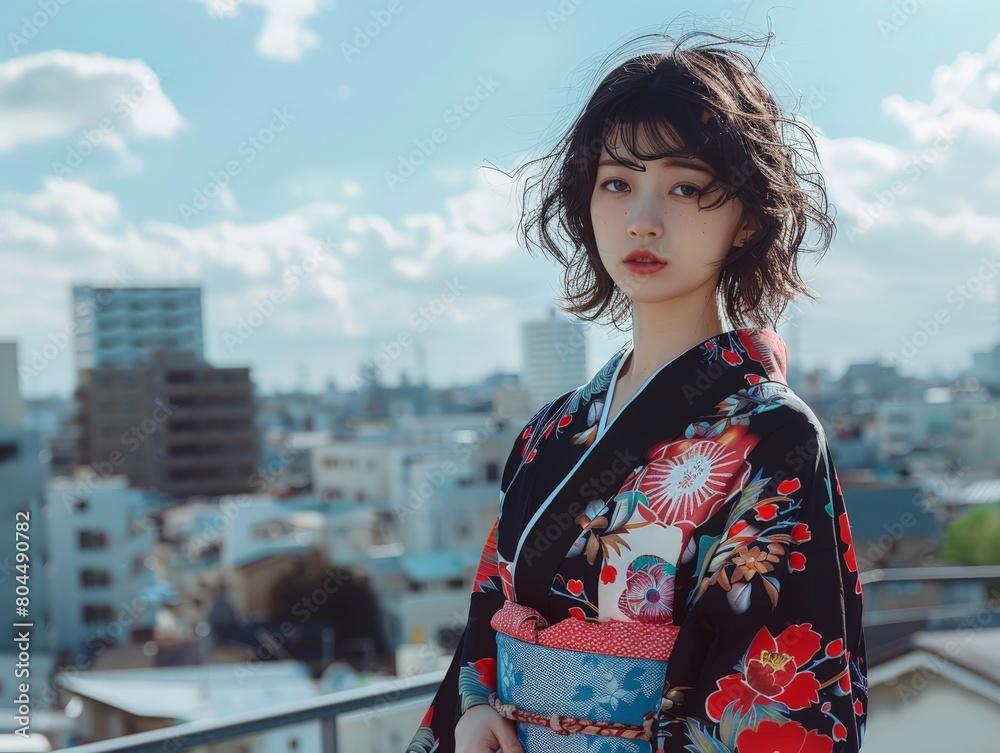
321,175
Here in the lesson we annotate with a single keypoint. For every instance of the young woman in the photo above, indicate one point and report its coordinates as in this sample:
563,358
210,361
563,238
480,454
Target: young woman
671,568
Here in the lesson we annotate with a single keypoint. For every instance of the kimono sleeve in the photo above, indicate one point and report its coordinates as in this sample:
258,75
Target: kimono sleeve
771,654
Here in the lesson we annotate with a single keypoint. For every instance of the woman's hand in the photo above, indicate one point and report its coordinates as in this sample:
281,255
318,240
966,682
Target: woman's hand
482,730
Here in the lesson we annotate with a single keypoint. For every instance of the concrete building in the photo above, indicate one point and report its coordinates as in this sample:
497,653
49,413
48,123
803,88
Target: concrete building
965,430
554,354
102,589
117,328
178,426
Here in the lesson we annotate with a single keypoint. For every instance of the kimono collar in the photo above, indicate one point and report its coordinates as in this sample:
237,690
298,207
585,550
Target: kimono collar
556,487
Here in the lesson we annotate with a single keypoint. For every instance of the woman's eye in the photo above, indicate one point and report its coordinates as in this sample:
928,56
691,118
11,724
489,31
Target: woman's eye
618,181
694,190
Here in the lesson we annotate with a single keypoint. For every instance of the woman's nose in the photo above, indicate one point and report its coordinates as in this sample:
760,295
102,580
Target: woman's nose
644,219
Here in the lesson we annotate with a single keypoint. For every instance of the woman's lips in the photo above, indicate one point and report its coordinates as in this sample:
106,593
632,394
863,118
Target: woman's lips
644,267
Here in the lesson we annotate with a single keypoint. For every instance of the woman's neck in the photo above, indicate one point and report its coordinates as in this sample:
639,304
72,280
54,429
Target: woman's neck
657,342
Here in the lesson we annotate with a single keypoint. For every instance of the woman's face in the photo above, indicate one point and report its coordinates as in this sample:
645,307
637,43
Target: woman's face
657,210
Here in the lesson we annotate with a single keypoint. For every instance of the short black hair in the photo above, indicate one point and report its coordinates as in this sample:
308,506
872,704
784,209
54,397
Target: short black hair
707,101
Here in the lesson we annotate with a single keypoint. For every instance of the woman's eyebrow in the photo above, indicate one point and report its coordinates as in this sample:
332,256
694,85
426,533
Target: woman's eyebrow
667,162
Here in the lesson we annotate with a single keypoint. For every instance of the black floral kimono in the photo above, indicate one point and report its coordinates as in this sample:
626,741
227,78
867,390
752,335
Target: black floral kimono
711,503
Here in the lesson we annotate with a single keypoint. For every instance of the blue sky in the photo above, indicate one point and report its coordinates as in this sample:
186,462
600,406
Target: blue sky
115,115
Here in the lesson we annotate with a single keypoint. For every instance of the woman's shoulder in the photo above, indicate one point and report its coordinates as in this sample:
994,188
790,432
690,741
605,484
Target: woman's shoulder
788,413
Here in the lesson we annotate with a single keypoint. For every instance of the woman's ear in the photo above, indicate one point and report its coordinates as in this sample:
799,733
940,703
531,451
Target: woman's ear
750,226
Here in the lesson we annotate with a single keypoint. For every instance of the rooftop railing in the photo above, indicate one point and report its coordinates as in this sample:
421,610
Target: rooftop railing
325,709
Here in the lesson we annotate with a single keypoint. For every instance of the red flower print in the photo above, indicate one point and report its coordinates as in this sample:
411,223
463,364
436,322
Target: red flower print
845,536
578,613
575,587
839,732
796,561
686,481
788,486
487,669
785,737
736,529
772,673
767,512
835,648
608,574
649,590
731,357
801,532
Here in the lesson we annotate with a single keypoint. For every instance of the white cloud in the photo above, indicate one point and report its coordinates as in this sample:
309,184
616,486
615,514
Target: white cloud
380,272
90,100
916,220
284,35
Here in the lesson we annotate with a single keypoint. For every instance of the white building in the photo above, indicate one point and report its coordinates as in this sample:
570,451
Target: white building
554,354
117,327
99,542
112,703
967,430
942,692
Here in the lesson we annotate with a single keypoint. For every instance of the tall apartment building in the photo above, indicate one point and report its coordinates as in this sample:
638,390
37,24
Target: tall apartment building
119,327
178,426
555,357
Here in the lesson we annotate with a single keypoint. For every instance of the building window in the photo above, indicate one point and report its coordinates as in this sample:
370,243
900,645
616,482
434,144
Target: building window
94,578
492,471
8,452
93,540
97,613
